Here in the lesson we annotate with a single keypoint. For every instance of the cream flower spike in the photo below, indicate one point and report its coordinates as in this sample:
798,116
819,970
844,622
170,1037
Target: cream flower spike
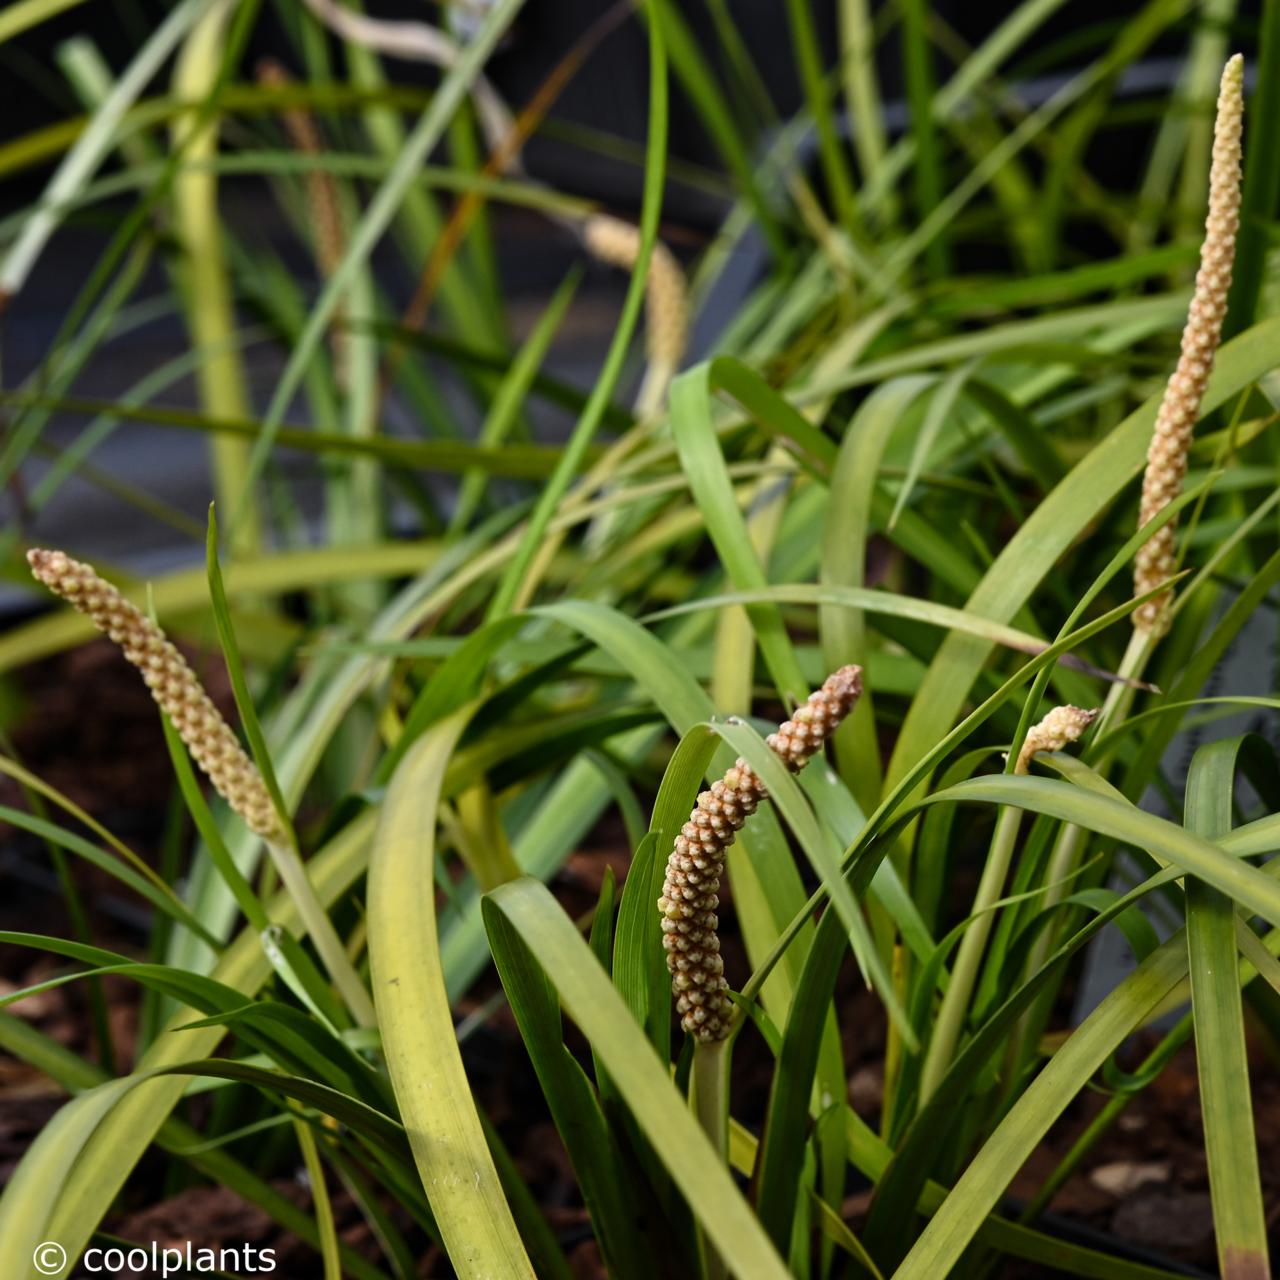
173,685
1061,726
1176,419
322,195
690,891
666,299
323,208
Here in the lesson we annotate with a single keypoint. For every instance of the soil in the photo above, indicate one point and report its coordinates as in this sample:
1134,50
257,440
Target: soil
1145,1187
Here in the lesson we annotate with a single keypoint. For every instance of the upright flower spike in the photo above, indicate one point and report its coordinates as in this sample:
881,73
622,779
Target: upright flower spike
690,892
173,685
322,196
666,298
324,208
1061,726
1176,419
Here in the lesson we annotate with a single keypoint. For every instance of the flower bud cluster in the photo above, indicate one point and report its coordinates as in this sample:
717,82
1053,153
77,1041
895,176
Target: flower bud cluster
690,893
1062,725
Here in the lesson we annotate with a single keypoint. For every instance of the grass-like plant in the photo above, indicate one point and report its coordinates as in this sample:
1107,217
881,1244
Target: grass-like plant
932,466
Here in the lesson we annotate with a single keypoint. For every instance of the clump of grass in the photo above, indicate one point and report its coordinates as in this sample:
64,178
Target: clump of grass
512,673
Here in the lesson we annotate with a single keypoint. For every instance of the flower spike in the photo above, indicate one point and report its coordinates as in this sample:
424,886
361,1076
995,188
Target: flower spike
666,298
1176,418
173,685
690,891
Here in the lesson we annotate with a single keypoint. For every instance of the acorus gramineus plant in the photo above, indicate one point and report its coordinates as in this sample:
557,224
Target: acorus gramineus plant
212,743
666,300
690,892
1176,419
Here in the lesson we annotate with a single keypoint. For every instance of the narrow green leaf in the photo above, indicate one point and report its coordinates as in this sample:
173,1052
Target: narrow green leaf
574,1105
1252,888
818,92
692,400
320,1204
510,397
845,534
917,56
426,1070
198,808
782,1155
1226,1101
591,1001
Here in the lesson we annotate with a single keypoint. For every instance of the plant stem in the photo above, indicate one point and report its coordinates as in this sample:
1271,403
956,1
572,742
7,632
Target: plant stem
955,1004
1065,857
333,955
1066,850
893,1046
709,1096
1132,666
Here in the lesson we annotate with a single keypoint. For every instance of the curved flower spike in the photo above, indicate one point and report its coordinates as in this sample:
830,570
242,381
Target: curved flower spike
173,685
690,891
